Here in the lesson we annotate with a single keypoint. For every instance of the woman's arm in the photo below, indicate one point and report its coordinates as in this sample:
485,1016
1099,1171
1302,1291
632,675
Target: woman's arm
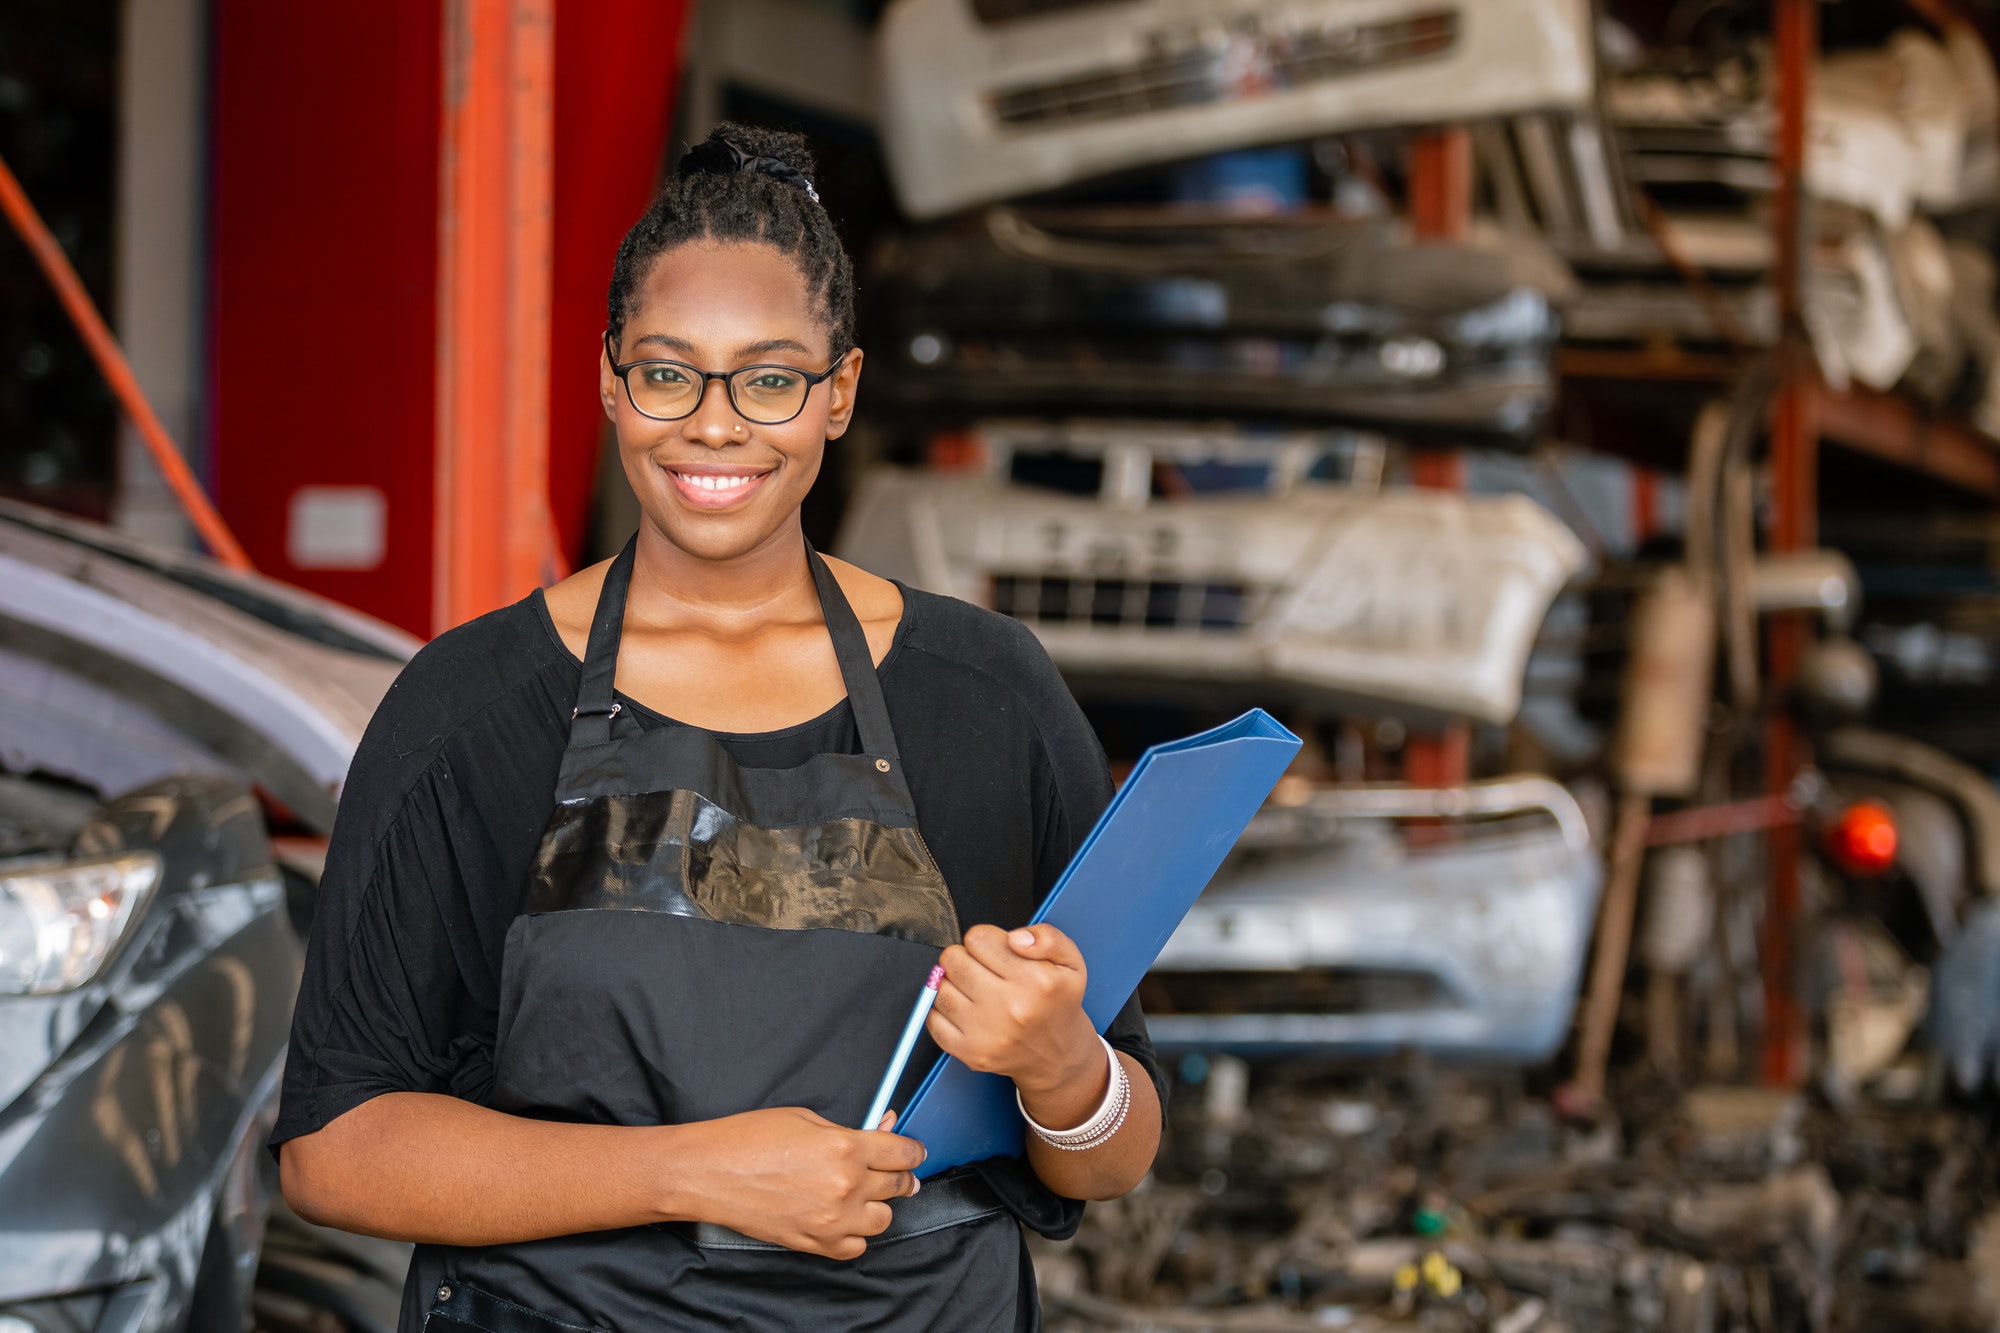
426,1167
1012,1003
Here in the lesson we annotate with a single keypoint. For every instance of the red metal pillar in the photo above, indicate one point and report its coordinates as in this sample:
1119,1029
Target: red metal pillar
494,539
1440,203
1793,475
1441,184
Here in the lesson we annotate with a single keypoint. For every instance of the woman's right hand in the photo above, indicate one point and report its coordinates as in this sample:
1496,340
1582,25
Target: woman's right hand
794,1178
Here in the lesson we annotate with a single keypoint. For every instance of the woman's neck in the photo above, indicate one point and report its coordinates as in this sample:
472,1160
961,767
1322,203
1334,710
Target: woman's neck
672,585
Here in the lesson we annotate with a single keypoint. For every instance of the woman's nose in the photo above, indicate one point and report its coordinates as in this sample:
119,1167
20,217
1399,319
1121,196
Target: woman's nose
715,422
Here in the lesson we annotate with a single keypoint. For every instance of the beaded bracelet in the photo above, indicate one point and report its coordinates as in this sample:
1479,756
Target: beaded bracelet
1103,1124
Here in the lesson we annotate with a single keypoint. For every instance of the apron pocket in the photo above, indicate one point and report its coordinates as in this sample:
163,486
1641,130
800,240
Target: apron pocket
462,1306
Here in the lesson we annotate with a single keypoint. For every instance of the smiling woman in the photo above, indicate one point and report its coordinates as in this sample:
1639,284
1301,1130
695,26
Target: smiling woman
635,880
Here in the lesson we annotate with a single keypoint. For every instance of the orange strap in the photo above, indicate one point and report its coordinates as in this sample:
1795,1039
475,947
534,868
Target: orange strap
111,360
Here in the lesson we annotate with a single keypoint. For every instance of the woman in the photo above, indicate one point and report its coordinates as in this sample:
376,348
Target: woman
634,882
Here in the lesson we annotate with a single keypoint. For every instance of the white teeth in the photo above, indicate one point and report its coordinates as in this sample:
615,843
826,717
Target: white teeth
712,483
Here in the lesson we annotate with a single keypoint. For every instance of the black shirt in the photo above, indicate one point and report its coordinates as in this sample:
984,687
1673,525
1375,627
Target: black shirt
454,783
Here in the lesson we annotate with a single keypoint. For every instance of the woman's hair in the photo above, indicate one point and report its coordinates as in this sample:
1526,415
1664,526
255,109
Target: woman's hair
743,184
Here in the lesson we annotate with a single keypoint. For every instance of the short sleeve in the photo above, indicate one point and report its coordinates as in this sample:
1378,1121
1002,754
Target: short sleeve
444,803
386,1003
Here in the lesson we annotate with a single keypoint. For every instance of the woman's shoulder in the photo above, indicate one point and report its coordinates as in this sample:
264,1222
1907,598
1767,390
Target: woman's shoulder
477,705
463,673
985,665
954,631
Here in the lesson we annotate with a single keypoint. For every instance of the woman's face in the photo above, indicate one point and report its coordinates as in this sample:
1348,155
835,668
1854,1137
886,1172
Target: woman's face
714,484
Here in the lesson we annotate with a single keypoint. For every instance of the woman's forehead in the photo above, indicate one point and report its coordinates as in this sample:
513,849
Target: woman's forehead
720,296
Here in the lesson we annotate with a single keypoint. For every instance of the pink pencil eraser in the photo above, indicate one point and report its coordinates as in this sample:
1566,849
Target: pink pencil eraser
937,975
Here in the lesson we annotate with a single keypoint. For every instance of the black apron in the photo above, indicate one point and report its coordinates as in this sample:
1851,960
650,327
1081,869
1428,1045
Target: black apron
699,939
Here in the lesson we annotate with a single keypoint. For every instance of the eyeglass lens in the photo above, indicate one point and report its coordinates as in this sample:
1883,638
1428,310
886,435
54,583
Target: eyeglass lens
767,395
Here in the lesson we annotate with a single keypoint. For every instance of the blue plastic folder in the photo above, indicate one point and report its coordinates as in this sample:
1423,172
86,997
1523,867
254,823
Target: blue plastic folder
1128,888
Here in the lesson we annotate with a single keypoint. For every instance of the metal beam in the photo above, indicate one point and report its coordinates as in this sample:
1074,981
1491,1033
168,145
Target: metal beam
1440,202
1889,427
158,295
494,539
1441,184
1795,505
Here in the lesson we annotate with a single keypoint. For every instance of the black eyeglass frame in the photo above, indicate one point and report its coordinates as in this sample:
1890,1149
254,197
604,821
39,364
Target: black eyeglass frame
813,379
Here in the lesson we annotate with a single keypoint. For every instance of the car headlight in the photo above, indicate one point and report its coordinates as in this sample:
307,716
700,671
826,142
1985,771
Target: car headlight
58,923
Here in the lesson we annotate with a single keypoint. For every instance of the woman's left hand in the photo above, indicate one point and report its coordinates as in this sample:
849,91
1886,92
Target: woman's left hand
1012,1003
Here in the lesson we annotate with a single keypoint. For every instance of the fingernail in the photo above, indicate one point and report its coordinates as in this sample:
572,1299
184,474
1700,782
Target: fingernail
1024,938
915,1185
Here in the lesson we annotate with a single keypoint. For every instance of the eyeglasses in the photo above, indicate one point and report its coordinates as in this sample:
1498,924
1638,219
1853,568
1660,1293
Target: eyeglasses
761,395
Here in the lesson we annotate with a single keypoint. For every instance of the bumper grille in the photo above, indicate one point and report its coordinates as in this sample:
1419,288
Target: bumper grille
1242,65
1306,990
1156,604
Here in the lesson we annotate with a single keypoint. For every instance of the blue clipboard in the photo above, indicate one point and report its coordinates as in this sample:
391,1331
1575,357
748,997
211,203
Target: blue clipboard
1125,892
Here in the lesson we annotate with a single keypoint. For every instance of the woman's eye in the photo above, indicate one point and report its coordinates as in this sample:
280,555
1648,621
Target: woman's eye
664,377
772,381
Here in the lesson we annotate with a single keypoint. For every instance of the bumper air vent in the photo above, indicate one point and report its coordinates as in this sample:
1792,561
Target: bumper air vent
1240,65
1152,604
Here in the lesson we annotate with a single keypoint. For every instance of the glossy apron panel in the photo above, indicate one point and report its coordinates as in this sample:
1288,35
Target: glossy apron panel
678,852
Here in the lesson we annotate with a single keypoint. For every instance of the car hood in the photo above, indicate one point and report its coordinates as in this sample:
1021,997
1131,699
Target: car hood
197,661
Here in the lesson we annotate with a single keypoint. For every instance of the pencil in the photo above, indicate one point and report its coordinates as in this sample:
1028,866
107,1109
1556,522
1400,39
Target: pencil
925,999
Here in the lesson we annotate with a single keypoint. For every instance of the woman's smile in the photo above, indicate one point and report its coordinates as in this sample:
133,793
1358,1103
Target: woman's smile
716,486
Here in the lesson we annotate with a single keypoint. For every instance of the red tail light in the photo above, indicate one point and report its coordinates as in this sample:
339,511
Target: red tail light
1863,840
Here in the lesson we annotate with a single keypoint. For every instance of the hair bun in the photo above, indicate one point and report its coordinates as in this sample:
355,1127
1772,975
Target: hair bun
730,149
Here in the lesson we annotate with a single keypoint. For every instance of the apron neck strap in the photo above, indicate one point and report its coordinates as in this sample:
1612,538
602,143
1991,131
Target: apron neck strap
857,665
597,706
597,703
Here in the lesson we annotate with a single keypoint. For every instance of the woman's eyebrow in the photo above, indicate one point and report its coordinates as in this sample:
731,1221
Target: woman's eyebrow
666,340
688,349
774,345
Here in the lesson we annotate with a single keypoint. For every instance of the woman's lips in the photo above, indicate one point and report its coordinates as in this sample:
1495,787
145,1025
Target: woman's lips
716,490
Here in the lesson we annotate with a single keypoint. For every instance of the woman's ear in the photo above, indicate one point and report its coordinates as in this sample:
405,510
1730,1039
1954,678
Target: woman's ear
607,379
846,381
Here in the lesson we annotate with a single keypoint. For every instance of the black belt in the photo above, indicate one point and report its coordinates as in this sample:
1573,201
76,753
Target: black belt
946,1201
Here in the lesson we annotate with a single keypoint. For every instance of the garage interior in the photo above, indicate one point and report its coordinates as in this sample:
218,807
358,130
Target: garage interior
1578,420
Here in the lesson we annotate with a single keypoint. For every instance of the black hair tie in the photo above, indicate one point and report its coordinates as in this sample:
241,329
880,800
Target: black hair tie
720,157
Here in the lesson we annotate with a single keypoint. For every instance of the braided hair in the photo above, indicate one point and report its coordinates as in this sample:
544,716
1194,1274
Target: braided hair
743,184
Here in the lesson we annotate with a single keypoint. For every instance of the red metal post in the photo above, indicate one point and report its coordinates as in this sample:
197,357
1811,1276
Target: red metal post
494,539
1793,449
1441,184
1440,202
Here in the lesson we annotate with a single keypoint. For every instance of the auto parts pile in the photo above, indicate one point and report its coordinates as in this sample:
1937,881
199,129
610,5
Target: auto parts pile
1066,358
1427,600
991,99
1661,202
1334,930
1134,312
1410,1198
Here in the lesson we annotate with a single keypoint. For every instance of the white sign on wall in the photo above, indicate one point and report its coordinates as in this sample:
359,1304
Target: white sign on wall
337,527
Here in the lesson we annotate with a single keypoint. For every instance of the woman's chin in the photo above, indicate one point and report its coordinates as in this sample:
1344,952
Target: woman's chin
724,534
